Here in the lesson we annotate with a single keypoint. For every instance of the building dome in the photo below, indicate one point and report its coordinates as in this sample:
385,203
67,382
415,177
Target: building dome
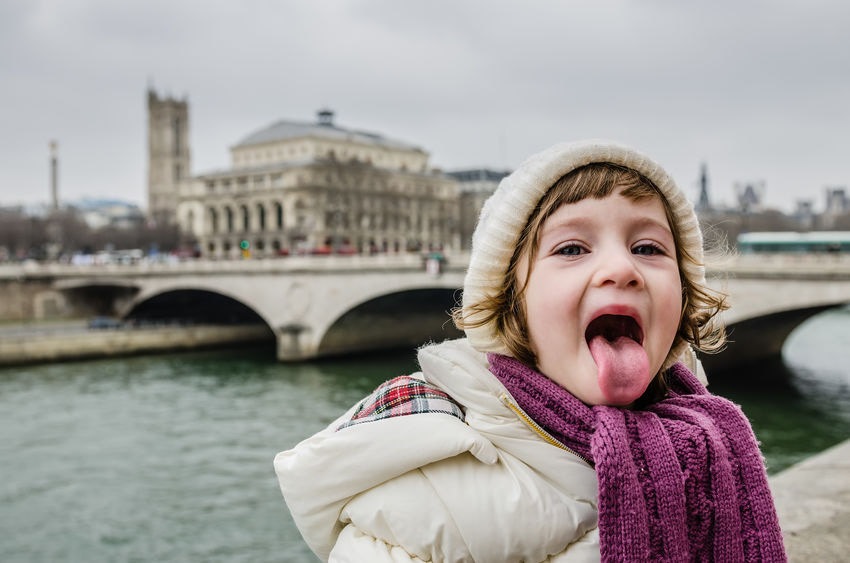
324,128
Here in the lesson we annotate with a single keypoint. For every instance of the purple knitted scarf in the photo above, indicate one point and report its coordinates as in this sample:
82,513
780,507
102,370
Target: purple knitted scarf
681,480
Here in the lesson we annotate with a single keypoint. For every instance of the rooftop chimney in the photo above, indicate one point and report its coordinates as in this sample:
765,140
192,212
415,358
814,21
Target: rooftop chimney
326,117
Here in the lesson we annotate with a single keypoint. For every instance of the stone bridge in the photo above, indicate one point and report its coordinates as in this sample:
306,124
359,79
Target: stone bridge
327,305
771,295
314,305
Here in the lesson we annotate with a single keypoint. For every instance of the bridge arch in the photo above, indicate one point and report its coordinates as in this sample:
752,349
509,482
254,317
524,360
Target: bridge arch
766,307
758,338
91,296
401,319
236,299
363,295
193,305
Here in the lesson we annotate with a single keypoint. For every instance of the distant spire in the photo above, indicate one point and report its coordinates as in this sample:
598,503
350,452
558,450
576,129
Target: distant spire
54,175
703,204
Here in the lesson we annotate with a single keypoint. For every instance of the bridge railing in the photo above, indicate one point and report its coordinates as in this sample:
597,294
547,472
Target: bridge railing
450,261
782,265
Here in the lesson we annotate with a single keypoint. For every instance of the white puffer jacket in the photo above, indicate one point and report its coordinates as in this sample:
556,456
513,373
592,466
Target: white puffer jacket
429,487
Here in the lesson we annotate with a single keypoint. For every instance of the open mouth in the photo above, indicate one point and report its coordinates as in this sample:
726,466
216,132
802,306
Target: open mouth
612,327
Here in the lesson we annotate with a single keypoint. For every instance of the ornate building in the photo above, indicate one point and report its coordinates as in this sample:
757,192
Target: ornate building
296,187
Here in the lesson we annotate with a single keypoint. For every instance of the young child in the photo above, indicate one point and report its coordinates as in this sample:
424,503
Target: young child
566,425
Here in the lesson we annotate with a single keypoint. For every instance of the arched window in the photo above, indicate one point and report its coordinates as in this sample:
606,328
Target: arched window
261,216
278,212
213,220
190,222
229,216
246,219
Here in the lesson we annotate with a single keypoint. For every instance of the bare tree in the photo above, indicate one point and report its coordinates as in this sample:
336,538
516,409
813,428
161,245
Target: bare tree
64,232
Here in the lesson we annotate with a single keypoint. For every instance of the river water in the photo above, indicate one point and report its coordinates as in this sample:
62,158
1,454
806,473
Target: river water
169,458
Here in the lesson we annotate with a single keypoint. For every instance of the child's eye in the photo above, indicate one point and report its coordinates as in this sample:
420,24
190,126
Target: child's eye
648,249
571,250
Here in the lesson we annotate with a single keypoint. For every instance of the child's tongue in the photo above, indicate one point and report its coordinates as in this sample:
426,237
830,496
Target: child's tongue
623,368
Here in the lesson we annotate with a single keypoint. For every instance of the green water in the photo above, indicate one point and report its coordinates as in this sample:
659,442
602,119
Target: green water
169,458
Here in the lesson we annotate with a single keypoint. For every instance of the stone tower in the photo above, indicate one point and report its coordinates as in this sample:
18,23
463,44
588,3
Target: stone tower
169,157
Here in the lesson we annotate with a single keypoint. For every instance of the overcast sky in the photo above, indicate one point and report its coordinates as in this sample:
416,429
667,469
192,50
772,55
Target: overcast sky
759,90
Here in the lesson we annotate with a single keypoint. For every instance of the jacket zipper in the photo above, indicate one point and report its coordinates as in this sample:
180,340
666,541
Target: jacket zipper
537,428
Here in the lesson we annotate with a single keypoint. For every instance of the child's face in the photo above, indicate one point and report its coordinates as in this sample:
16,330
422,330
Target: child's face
604,299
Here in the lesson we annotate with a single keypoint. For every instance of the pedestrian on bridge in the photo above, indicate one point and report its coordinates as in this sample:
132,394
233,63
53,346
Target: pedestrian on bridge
570,423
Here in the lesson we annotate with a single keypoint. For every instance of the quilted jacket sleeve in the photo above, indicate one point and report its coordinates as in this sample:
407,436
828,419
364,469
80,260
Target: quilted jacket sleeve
325,475
585,550
353,546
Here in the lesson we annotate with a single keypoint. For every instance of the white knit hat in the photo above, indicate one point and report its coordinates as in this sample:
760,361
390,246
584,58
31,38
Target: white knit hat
506,212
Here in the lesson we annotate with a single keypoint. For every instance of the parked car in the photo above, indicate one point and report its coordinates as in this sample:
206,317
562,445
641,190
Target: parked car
103,323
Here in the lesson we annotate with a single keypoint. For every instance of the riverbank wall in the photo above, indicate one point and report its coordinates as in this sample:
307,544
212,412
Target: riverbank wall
42,347
813,503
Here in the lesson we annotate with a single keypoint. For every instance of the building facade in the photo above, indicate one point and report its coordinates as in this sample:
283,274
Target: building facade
475,185
836,209
315,188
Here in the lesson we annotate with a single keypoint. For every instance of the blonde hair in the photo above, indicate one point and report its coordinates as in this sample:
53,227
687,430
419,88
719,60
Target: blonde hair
698,325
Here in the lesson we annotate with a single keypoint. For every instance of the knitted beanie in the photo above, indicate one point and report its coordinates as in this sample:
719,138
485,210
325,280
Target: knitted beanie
505,214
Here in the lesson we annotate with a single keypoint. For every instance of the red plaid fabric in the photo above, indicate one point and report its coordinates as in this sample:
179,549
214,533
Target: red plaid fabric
402,396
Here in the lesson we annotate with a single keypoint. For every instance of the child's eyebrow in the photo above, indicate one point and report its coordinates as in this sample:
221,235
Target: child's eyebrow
585,222
571,222
652,222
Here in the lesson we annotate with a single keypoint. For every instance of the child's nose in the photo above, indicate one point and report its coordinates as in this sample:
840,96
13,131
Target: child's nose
619,269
